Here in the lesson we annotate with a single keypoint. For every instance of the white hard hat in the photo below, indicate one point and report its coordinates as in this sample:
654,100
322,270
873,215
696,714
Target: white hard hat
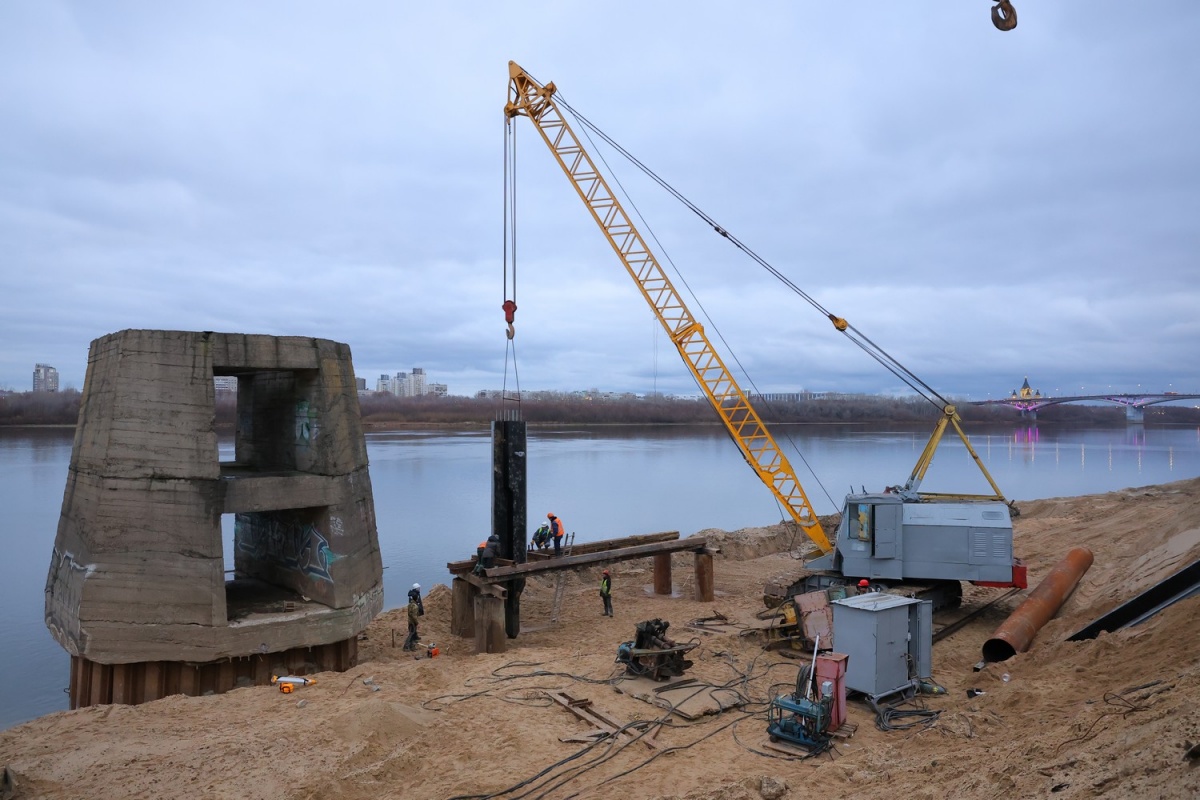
416,586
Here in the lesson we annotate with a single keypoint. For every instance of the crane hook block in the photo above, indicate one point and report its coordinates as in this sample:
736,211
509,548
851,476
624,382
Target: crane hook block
510,310
838,322
1004,16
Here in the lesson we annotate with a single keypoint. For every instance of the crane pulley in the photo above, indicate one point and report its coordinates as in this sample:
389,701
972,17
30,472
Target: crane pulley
1004,16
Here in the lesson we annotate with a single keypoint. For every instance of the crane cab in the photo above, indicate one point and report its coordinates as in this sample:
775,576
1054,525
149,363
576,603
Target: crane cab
884,537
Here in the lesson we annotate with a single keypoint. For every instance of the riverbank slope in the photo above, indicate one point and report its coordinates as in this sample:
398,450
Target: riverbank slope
1067,722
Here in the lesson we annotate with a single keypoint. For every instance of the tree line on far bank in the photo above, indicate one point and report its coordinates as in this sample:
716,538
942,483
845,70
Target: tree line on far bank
382,410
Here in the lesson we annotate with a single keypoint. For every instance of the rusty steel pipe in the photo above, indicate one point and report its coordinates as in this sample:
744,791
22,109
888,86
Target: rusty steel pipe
1016,633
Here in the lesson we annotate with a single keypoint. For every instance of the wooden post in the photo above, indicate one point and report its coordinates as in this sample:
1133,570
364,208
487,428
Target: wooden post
662,574
262,670
226,676
462,608
122,691
101,689
80,681
152,681
490,635
704,577
189,678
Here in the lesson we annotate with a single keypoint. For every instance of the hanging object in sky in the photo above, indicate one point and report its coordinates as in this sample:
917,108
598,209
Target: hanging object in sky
1004,16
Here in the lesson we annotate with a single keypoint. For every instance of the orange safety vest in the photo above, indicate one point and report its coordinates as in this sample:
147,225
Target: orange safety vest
556,527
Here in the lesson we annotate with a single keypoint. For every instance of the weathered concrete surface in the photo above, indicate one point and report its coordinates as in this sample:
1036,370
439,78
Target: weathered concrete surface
137,572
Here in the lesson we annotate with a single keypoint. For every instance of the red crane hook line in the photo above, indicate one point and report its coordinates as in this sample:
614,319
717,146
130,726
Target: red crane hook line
1004,16
510,309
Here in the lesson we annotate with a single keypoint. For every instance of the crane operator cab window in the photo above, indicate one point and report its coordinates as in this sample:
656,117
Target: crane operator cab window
861,521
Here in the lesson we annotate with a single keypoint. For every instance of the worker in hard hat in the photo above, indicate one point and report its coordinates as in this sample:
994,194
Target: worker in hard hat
606,592
410,642
556,531
491,551
864,586
415,594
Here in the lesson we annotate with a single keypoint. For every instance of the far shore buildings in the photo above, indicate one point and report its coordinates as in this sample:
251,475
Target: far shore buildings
409,384
45,378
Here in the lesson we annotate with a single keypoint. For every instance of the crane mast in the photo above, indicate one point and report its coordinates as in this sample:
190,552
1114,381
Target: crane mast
530,99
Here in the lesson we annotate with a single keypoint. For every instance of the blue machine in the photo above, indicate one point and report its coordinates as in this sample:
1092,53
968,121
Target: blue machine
796,719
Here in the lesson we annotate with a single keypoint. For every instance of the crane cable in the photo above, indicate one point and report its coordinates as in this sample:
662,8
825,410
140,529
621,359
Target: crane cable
860,339
586,125
509,306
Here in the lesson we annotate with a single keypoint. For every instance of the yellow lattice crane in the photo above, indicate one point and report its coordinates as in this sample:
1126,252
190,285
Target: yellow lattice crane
530,99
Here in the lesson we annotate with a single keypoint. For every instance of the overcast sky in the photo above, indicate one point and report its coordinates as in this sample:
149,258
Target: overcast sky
983,205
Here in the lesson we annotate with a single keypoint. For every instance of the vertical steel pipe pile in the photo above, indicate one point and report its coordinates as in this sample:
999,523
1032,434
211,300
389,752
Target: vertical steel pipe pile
508,509
1017,632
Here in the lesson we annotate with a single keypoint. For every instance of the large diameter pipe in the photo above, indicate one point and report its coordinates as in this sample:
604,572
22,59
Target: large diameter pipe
1017,632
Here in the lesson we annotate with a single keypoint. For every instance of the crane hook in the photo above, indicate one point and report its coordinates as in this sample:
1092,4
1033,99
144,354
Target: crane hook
510,309
1004,16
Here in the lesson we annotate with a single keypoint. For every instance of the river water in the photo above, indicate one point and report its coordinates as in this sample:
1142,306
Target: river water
433,503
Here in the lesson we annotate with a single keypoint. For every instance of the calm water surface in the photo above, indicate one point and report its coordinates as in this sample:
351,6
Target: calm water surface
432,498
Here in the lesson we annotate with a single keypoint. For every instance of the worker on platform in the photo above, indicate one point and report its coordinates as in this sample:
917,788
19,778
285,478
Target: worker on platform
606,592
541,537
556,531
864,586
410,642
491,551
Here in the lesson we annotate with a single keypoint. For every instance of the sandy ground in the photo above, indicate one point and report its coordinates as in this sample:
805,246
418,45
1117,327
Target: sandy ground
1067,723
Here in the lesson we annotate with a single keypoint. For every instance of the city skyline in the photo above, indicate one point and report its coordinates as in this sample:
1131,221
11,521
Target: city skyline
50,376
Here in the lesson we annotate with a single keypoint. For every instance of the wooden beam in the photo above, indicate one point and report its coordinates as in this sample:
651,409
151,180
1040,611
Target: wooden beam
458,567
602,557
484,586
577,549
604,724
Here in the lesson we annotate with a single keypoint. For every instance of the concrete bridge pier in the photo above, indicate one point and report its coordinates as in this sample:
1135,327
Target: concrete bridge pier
137,592
1029,414
1135,414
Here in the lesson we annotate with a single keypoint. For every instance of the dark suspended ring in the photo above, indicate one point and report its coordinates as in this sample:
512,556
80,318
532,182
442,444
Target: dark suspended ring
1004,16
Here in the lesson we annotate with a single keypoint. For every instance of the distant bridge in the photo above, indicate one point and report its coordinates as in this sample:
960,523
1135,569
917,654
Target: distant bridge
1028,401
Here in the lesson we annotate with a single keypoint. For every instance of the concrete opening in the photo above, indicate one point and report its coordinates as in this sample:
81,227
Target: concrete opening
281,562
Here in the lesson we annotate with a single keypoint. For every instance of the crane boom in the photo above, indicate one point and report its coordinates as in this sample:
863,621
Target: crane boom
529,98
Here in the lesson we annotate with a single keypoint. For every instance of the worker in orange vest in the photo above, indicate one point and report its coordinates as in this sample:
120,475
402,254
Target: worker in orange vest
556,530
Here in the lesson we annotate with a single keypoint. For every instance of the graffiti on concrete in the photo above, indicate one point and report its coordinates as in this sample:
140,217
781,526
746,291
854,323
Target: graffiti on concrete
307,425
285,541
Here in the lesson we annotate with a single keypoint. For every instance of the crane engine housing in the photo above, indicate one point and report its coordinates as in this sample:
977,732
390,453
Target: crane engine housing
884,538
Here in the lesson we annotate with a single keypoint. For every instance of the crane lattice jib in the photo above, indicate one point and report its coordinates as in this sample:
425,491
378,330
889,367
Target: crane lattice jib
528,98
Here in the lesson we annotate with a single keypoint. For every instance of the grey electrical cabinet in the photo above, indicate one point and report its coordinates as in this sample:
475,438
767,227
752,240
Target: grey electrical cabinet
889,639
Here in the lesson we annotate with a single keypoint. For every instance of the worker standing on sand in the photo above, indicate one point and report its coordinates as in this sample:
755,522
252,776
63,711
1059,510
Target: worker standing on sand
410,642
606,592
556,530
415,594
